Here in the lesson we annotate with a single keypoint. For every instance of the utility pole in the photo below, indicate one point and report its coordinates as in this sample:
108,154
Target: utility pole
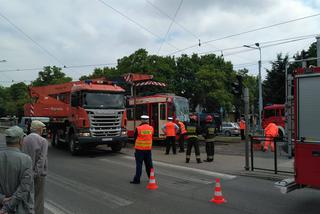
318,50
246,116
260,83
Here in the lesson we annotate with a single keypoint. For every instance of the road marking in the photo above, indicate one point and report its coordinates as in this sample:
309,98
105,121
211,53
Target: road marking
55,208
88,191
200,171
161,172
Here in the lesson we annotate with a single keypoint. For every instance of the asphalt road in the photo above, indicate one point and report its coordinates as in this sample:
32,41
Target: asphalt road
98,182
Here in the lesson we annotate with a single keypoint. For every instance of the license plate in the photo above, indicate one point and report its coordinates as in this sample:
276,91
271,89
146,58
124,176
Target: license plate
106,139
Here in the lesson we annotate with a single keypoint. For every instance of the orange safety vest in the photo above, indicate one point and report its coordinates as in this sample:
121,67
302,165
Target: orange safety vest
271,130
182,127
144,138
242,124
170,129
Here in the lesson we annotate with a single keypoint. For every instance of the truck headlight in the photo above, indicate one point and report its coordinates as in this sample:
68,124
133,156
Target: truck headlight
85,134
123,132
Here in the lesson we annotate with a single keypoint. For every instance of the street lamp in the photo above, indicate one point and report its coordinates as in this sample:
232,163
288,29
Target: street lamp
260,83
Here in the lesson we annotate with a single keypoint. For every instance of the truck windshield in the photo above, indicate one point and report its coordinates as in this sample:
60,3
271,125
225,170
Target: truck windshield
102,100
181,105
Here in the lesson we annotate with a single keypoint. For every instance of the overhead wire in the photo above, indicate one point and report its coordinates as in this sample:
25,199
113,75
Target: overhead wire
169,28
64,67
135,22
284,41
30,38
261,43
246,32
171,18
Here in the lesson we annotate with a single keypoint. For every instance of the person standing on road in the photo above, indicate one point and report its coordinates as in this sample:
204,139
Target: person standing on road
193,140
16,179
181,134
271,131
37,148
242,128
143,145
170,129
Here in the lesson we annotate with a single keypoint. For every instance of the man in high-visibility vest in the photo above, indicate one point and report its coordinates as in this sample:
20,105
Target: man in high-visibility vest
170,129
242,128
143,145
271,131
182,134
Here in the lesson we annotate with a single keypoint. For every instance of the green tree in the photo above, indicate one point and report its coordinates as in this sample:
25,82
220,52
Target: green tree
51,75
14,98
274,85
106,72
214,77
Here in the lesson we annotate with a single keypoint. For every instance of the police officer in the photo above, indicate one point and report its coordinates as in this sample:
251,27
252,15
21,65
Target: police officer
182,134
193,141
170,129
143,145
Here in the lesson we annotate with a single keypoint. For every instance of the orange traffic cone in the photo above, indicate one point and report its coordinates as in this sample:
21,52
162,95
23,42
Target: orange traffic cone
152,181
218,198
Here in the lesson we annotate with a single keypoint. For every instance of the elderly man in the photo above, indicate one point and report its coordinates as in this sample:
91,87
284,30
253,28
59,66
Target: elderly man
37,148
16,180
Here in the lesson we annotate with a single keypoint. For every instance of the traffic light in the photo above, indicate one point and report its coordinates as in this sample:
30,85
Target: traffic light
237,86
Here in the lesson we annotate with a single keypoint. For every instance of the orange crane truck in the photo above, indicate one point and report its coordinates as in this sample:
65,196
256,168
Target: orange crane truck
83,114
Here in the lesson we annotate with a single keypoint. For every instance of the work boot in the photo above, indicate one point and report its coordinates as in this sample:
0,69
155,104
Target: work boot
208,160
187,160
134,182
199,160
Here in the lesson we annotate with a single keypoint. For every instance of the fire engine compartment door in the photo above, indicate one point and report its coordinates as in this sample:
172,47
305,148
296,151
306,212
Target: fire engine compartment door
307,147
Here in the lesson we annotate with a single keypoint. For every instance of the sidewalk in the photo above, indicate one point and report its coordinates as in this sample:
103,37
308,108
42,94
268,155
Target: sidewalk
229,158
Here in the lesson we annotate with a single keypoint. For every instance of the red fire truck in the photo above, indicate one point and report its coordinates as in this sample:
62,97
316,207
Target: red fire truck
82,114
306,135
274,114
158,107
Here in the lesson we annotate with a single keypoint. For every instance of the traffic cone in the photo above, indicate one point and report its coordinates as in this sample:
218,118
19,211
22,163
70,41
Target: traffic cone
152,181
218,198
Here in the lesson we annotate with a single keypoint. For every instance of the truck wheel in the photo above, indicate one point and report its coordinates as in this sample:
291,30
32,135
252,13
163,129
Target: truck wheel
116,147
74,150
227,133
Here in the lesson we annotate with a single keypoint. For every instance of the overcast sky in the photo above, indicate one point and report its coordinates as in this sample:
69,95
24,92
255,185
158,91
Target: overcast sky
36,33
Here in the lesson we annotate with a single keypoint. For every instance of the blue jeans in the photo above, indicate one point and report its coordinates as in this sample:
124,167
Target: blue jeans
142,156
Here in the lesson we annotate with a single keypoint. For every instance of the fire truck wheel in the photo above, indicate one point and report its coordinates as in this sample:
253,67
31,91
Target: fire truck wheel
116,147
74,150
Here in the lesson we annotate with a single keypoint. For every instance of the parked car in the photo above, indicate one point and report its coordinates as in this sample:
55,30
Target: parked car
229,129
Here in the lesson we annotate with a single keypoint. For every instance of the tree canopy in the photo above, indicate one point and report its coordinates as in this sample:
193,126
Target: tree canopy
204,79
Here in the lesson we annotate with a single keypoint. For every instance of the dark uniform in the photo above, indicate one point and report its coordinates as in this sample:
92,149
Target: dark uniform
193,140
209,150
143,145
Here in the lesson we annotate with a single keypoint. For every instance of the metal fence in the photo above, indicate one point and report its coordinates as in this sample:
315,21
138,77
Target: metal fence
256,142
